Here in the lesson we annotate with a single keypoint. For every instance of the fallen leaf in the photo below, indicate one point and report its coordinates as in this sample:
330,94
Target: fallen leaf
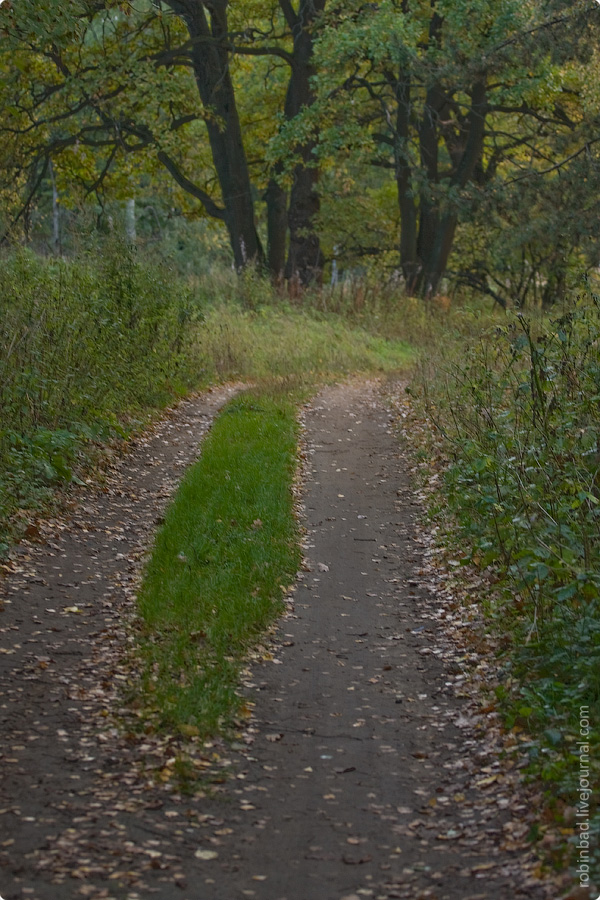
485,781
189,730
206,854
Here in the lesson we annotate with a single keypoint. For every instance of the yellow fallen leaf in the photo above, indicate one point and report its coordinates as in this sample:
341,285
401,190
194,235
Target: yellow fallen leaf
206,854
189,730
485,781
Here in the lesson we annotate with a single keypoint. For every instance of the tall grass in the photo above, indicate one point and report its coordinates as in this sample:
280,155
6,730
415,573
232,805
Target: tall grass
80,344
91,345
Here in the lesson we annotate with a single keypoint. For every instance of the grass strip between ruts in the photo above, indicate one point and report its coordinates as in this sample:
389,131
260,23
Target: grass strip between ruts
227,548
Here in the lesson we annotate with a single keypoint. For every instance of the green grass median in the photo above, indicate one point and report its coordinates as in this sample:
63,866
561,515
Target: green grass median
227,549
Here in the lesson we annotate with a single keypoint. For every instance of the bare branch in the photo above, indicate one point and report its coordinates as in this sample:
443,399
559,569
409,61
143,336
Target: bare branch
556,166
263,51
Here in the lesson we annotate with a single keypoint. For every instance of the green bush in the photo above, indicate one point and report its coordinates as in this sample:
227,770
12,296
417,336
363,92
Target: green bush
79,341
520,415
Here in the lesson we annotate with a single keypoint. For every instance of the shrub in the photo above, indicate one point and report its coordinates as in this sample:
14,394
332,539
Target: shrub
520,415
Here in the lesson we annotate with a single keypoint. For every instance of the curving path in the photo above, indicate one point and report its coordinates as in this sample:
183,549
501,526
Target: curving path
360,774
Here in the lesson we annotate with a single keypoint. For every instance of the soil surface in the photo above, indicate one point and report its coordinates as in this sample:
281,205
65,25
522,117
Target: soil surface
358,773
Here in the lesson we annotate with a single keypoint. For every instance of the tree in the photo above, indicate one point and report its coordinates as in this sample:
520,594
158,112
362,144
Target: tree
210,51
304,258
444,95
110,88
108,82
264,34
447,102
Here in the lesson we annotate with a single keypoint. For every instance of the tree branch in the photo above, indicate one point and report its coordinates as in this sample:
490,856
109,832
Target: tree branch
477,282
288,11
105,169
558,165
189,187
263,51
36,181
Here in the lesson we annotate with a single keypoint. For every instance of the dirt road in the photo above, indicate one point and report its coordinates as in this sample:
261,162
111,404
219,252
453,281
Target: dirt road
360,774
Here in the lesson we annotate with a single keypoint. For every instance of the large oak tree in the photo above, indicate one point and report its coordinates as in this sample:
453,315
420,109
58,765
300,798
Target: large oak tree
452,97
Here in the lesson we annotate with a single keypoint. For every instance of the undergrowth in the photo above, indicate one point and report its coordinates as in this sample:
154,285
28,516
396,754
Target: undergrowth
226,552
86,347
519,414
91,346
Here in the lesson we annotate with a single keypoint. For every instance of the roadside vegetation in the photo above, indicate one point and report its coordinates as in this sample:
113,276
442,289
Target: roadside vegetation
515,413
372,158
92,346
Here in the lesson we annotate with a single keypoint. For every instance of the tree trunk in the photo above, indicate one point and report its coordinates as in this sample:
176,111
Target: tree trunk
305,260
429,220
210,59
436,258
406,201
276,200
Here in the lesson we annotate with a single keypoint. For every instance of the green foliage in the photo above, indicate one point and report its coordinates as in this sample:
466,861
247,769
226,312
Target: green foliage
89,346
521,419
81,346
228,545
107,92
